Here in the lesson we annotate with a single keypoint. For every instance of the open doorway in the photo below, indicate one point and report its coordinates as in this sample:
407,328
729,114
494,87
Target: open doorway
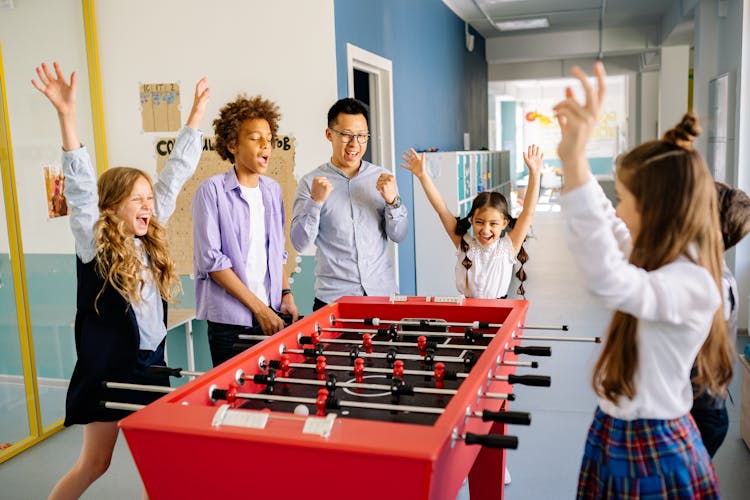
370,79
364,85
524,114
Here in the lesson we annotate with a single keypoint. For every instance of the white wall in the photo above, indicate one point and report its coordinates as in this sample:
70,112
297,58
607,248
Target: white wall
720,48
742,251
281,49
648,116
705,63
33,32
673,85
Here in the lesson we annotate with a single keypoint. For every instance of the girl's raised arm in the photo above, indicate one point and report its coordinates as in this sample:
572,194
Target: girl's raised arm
533,159
80,179
62,95
415,163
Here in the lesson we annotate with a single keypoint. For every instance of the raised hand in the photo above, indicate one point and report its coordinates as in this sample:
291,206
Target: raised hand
60,93
320,189
533,158
577,120
414,162
386,186
200,99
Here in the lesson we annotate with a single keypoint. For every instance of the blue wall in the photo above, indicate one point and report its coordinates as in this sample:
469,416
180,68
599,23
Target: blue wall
440,89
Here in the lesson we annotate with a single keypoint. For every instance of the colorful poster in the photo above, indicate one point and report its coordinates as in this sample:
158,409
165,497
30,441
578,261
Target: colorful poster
54,186
160,107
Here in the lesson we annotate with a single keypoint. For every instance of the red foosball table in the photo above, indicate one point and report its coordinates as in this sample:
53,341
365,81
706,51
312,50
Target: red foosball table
368,398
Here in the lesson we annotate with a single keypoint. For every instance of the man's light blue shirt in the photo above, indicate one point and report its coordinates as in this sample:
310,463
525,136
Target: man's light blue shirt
350,230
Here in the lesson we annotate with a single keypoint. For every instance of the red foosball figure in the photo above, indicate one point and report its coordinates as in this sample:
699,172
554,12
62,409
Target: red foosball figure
320,402
359,370
320,367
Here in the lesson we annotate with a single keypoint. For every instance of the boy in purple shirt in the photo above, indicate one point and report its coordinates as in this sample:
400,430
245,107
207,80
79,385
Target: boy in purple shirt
238,233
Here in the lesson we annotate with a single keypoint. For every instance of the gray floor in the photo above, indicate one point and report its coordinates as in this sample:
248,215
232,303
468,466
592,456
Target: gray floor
546,464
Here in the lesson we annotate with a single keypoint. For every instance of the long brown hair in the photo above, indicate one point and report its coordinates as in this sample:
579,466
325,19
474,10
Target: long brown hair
677,201
117,257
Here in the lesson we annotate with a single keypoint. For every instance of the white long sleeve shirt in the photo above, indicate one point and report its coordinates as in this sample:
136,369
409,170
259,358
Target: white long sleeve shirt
674,304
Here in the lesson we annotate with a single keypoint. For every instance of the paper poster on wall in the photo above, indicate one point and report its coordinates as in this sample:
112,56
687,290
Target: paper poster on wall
54,187
160,111
180,225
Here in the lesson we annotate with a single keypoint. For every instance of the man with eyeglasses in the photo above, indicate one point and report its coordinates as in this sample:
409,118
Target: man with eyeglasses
349,208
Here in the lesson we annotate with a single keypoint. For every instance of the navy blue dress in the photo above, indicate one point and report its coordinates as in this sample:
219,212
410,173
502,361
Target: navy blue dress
107,344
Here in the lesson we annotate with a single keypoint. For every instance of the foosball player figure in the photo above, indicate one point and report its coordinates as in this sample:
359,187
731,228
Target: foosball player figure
320,367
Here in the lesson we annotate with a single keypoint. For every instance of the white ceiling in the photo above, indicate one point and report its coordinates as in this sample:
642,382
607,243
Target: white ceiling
626,33
563,15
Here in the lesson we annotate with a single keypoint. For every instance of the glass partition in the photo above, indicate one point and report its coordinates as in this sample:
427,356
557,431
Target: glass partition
38,284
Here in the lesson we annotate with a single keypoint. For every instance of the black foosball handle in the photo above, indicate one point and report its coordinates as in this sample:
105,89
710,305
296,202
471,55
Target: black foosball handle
219,394
165,370
533,350
535,380
492,440
507,417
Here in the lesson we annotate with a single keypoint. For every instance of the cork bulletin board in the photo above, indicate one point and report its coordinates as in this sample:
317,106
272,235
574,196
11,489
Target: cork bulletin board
180,225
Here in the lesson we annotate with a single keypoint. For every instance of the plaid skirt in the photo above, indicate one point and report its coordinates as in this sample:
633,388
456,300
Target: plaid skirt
645,459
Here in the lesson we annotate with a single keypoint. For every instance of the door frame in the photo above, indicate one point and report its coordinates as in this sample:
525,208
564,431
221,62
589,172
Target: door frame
380,70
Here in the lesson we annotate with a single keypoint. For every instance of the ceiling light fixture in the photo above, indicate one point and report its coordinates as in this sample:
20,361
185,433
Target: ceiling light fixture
522,24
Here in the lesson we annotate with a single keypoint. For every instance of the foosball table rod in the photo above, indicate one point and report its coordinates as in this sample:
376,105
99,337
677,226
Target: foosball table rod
521,364
374,355
324,402
398,387
439,373
112,405
481,325
394,332
470,333
314,339
531,351
421,343
138,387
596,340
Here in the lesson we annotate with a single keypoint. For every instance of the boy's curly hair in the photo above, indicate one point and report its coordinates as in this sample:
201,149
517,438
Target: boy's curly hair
231,116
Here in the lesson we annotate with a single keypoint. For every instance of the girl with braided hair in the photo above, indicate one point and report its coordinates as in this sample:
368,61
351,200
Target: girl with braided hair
485,258
656,262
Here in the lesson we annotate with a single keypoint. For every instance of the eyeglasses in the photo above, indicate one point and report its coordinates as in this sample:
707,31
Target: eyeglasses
347,138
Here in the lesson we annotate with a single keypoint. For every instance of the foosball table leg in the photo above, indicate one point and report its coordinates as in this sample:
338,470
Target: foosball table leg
487,475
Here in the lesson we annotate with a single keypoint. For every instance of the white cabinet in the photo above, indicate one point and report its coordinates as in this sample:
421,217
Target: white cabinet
459,176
